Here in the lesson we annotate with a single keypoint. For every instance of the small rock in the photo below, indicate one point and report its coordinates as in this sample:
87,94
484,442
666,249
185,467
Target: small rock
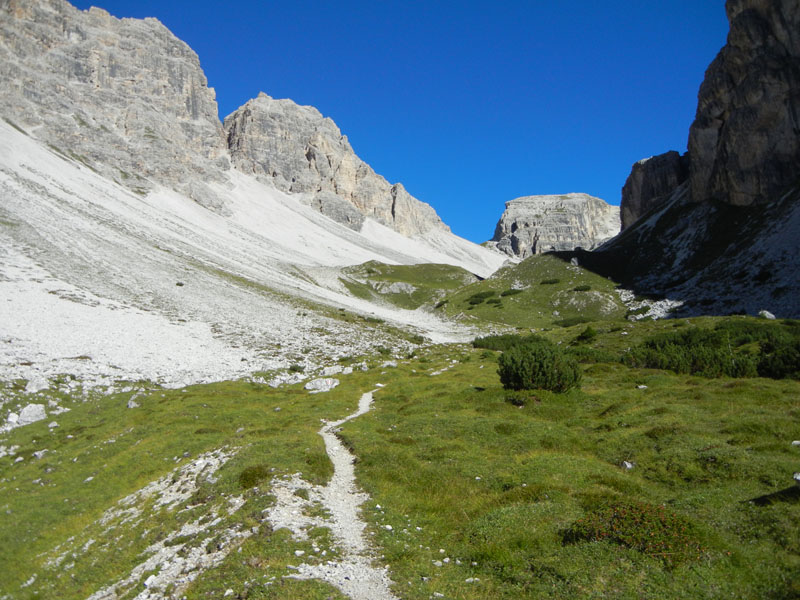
347,370
52,425
40,453
437,563
389,363
38,384
228,592
299,552
132,403
641,387
796,443
627,465
87,480
796,477
388,527
31,414
323,384
332,370
150,581
765,314
471,580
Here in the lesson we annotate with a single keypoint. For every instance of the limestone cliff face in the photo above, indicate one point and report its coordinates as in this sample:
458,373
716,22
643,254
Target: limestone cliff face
300,151
745,141
650,184
535,224
124,96
726,239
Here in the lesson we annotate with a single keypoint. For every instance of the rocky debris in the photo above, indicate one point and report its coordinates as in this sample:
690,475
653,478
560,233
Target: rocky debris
332,370
29,414
123,96
536,224
744,143
650,184
299,151
323,384
36,384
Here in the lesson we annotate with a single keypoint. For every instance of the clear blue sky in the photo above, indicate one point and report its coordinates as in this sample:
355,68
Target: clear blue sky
468,103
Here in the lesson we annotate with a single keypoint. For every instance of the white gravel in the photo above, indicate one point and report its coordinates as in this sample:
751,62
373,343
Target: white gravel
354,573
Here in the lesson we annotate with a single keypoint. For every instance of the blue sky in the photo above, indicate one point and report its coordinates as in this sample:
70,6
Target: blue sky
468,104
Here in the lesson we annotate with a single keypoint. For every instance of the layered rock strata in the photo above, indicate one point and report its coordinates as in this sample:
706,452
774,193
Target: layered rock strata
745,141
128,99
123,96
650,184
536,224
725,240
299,151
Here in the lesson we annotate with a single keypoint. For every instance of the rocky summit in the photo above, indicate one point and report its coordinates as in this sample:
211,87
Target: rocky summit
300,151
536,224
717,229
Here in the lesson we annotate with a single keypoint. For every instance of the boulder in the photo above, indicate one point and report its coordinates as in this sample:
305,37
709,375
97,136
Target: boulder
323,384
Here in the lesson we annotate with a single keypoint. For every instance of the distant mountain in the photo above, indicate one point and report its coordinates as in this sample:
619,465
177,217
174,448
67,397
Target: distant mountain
536,224
724,235
141,239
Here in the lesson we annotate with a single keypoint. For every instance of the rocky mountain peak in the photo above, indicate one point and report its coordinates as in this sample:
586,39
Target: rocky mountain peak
650,184
123,96
299,151
536,224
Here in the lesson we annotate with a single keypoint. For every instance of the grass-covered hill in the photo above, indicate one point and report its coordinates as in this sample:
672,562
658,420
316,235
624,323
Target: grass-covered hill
538,292
640,483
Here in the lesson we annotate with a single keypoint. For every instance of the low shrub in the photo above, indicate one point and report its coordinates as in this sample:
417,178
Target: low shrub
440,304
649,529
538,364
296,368
587,335
582,288
494,301
504,341
570,321
733,349
549,281
510,292
480,297
252,476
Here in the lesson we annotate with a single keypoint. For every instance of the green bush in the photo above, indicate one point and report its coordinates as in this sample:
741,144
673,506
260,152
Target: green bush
252,476
652,530
494,301
480,297
734,348
538,364
296,368
582,288
549,281
587,335
510,292
504,341
570,321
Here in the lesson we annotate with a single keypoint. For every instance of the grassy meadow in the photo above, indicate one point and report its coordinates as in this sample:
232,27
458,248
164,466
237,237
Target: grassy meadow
639,483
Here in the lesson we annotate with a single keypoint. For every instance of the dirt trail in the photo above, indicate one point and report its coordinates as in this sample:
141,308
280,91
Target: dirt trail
352,572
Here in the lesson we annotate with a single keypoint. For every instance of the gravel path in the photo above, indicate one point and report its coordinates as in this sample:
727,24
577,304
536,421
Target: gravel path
353,574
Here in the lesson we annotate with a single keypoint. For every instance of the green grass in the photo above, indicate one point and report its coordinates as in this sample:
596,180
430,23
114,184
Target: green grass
430,282
571,292
522,490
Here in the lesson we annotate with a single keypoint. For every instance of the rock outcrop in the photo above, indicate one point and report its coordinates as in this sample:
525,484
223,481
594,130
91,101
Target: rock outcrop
725,240
536,224
650,184
128,99
299,151
745,141
123,96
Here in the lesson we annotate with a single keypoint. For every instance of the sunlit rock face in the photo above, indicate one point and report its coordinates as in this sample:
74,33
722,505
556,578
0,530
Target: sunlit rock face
745,141
299,151
124,96
535,224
